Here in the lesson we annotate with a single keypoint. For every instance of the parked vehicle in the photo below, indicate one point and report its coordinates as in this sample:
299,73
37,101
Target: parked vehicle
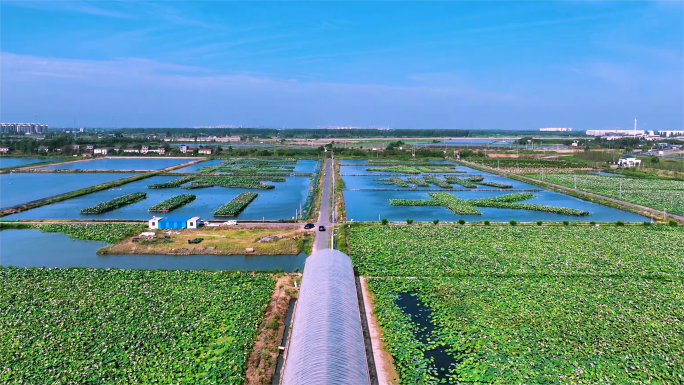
308,226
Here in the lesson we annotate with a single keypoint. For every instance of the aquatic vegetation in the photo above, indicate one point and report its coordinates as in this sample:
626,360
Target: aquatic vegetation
173,203
467,183
655,251
229,181
115,203
437,182
393,181
313,182
467,206
438,169
397,169
506,330
508,202
128,326
246,169
495,184
655,193
417,181
178,182
236,205
105,232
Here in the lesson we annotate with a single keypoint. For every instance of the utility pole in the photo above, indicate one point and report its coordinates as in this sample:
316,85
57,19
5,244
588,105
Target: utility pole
620,193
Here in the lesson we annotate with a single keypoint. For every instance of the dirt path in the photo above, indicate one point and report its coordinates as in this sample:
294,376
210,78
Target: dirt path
383,360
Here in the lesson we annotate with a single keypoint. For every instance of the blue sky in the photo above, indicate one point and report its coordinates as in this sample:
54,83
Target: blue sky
461,64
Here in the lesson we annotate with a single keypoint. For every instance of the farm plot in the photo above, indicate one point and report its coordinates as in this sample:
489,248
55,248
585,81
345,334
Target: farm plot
513,330
427,250
547,304
128,326
657,194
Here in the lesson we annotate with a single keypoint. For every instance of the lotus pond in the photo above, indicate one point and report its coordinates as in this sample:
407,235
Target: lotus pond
532,304
19,188
141,163
372,182
302,165
366,205
278,203
545,329
33,248
128,326
453,250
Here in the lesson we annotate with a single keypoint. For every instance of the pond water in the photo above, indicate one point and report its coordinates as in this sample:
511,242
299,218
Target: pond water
14,162
370,182
33,248
366,205
302,166
278,203
361,170
420,314
19,188
142,163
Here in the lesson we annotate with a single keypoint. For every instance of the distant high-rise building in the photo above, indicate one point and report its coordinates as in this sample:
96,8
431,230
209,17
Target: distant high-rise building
24,128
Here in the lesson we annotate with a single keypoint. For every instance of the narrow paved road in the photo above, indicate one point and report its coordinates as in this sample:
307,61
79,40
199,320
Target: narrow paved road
322,239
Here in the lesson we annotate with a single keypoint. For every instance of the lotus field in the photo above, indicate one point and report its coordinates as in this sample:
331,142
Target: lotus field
230,181
467,206
193,182
247,169
653,193
394,181
236,205
445,183
517,330
105,232
172,203
541,304
110,326
115,203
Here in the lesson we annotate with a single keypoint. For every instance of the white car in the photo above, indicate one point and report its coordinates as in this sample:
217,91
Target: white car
230,223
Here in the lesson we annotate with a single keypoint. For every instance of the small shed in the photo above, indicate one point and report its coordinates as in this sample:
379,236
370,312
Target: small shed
629,161
174,222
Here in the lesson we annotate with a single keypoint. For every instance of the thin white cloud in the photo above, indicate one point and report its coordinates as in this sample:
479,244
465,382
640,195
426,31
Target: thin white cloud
71,6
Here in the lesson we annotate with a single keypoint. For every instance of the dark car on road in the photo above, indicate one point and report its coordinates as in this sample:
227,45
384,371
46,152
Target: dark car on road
308,226
321,228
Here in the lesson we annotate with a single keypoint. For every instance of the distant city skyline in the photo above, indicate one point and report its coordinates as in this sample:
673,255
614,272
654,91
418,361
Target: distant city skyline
460,65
